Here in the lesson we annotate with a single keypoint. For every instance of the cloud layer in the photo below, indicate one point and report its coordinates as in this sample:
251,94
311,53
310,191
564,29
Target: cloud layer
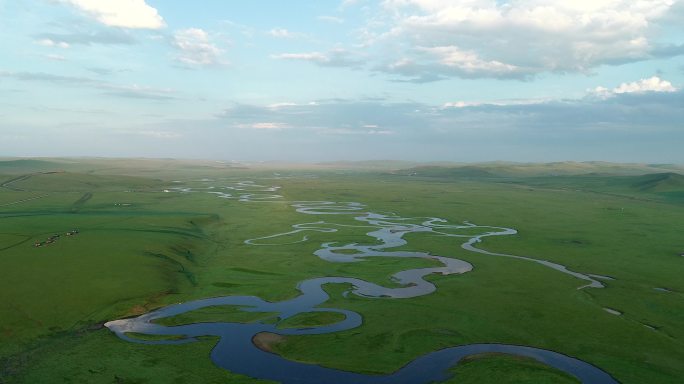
133,14
652,84
120,72
337,57
107,88
433,39
641,107
195,48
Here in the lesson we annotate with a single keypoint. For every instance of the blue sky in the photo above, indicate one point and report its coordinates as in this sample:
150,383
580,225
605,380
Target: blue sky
467,80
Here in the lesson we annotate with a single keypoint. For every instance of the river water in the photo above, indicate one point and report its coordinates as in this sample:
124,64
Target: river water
236,352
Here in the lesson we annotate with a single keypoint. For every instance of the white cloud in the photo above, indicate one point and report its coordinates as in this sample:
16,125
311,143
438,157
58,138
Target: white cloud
461,104
52,43
283,33
317,57
354,132
103,36
133,14
265,126
380,132
281,105
280,32
195,48
334,58
497,103
469,61
486,38
652,84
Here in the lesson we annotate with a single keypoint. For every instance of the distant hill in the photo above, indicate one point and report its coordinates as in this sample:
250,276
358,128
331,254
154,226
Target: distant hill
437,171
28,165
569,168
368,164
116,166
660,182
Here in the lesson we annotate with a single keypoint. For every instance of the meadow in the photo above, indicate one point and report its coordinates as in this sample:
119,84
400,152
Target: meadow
139,248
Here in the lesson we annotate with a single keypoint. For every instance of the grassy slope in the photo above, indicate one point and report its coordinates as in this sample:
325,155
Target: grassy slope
312,319
100,357
522,303
126,260
567,168
107,272
504,369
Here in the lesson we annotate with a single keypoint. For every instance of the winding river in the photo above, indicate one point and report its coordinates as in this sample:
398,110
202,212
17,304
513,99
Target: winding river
236,351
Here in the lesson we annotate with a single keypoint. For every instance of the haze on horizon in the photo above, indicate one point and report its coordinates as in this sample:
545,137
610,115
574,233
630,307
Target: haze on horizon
474,80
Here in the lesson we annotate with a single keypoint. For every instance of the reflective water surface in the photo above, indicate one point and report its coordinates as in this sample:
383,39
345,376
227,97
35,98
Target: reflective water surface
236,352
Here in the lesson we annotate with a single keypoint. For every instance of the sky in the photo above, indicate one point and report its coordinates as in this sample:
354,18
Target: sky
327,80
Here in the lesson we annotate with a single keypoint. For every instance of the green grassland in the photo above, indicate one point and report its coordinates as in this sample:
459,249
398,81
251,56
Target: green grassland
505,369
139,248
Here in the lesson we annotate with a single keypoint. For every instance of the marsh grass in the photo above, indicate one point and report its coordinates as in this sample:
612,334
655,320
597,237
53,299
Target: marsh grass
164,248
